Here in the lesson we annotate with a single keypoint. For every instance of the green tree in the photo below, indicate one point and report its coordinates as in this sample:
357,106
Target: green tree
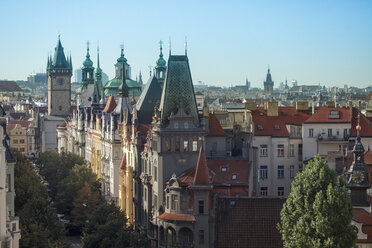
37,222
84,203
318,210
107,227
67,189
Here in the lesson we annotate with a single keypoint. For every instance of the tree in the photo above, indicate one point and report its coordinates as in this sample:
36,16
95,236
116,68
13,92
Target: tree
107,227
84,203
318,211
67,189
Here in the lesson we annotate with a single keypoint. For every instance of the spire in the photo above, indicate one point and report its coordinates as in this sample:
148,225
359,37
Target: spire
170,46
140,78
201,176
99,70
88,63
123,88
186,45
59,58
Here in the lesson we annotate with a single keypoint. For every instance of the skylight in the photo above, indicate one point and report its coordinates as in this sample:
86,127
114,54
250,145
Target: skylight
277,127
334,114
234,176
223,169
259,127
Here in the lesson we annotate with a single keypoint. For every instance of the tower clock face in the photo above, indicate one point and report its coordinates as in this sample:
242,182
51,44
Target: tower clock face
357,177
60,81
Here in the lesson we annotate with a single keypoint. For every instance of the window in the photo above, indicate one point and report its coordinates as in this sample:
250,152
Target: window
345,133
22,141
300,168
329,132
185,145
177,147
263,150
291,150
60,108
145,194
276,127
223,169
168,146
173,202
168,201
175,124
7,183
183,203
334,114
234,176
291,171
263,171
299,152
280,191
194,146
280,150
186,125
280,171
201,207
201,237
155,200
263,191
311,132
22,149
259,127
155,173
15,141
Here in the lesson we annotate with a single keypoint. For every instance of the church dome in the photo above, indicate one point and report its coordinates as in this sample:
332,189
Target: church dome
160,62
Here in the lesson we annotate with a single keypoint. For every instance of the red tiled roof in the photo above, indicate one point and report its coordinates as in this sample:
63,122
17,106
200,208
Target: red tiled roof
365,123
215,128
177,217
287,115
12,124
321,116
362,216
201,172
63,124
123,163
248,222
110,105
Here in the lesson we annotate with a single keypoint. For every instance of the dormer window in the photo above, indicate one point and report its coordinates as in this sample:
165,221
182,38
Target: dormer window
234,176
259,127
186,125
334,114
223,169
276,127
175,124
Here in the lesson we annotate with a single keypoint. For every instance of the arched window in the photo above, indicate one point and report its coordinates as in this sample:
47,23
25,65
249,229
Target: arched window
186,236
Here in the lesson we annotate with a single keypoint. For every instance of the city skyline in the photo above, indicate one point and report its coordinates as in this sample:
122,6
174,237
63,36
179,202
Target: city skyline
326,43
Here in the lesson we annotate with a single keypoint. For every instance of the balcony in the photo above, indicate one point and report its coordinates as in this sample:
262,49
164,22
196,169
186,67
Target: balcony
332,139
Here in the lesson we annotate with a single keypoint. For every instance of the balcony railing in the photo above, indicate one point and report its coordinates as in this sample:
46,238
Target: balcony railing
322,138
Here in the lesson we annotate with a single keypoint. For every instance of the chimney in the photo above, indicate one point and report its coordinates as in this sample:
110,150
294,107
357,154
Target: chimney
251,105
312,108
330,104
302,105
272,109
205,111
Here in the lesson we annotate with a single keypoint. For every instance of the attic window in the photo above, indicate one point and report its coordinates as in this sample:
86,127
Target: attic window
277,127
261,113
259,127
223,169
334,114
234,176
232,203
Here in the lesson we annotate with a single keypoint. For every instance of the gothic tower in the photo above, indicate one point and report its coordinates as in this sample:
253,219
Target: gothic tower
268,84
160,67
59,72
358,174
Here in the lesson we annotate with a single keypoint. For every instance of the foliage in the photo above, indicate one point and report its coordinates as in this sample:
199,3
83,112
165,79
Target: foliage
84,203
37,222
68,187
318,210
107,227
54,168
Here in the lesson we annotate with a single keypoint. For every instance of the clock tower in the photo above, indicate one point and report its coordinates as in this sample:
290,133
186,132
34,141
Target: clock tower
59,72
357,177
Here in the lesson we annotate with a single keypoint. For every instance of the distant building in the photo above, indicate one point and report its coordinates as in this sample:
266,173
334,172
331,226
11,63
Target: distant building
268,84
37,78
78,75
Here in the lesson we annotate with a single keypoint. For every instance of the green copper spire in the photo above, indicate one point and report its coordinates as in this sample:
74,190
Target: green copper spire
88,63
161,63
59,59
99,80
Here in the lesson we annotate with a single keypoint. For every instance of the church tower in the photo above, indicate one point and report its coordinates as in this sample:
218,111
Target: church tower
59,72
160,67
358,174
268,84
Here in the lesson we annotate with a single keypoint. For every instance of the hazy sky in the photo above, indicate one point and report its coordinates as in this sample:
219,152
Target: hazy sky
327,42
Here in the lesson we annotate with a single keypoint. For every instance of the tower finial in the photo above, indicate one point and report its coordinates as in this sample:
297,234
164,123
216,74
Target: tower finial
161,48
88,45
170,46
98,57
186,45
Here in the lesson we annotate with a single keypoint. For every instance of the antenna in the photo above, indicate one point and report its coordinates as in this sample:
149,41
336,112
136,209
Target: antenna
186,45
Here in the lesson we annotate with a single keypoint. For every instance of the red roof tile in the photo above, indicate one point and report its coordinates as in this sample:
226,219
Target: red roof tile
364,122
202,173
276,125
23,123
110,105
177,217
362,216
215,128
322,116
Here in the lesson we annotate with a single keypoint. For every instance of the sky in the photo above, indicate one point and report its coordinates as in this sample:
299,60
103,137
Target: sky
326,42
